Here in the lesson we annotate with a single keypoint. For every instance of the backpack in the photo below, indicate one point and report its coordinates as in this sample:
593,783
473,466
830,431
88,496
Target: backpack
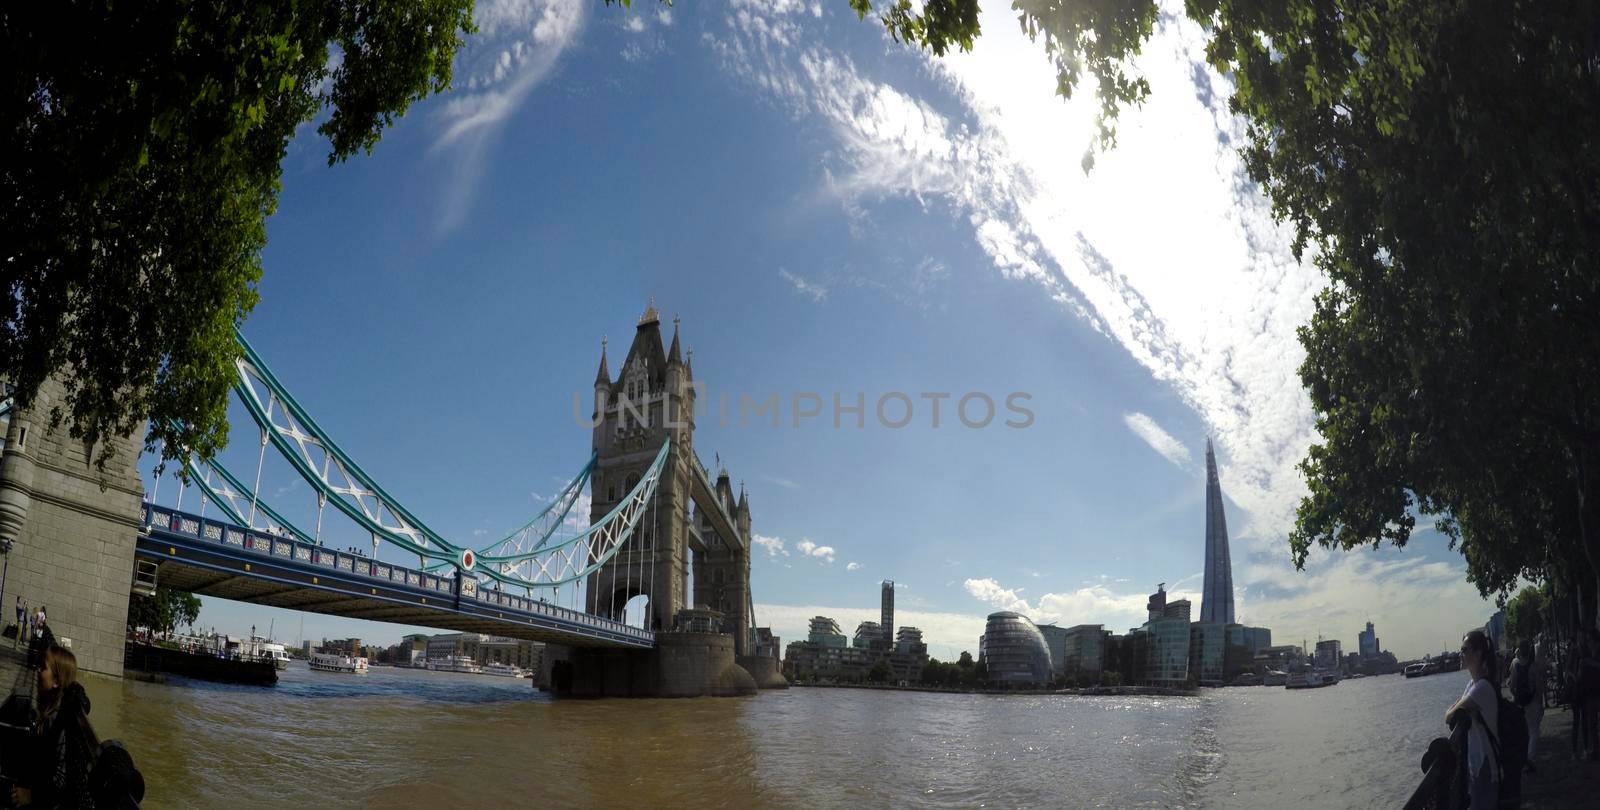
1510,745
115,782
1521,684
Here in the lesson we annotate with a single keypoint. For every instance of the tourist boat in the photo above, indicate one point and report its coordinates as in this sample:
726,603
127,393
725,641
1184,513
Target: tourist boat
334,662
454,663
504,670
1274,678
1416,670
276,652
1308,680
1247,679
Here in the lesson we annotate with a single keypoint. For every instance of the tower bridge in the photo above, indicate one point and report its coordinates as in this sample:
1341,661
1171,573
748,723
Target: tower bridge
659,527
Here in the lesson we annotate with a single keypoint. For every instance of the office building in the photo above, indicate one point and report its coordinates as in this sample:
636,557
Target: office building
1014,651
1178,609
1055,639
1329,654
1084,650
1216,601
1367,643
1257,639
886,605
1208,647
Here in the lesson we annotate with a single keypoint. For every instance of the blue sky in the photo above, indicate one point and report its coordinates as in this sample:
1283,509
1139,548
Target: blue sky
828,212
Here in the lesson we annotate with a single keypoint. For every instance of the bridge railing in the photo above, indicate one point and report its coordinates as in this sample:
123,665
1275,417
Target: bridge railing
287,549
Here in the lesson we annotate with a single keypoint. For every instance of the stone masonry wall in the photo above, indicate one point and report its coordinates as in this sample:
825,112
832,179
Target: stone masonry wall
74,553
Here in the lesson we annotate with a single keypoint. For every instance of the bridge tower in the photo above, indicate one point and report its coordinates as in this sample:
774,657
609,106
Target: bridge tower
71,527
652,399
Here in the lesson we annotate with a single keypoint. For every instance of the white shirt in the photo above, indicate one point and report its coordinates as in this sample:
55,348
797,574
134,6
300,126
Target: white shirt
1488,703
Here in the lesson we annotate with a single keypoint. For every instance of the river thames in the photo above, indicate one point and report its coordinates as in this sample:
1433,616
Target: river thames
406,738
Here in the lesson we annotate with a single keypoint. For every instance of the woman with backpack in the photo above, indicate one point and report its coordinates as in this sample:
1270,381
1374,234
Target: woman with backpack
1480,703
66,744
1527,690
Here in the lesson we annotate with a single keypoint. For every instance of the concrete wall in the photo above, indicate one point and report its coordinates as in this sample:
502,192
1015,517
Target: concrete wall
74,527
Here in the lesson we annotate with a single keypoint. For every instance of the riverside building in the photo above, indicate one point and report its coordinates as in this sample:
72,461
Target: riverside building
826,655
1055,638
1014,651
1084,649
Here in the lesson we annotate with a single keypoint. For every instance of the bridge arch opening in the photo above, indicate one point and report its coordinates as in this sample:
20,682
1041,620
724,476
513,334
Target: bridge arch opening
637,611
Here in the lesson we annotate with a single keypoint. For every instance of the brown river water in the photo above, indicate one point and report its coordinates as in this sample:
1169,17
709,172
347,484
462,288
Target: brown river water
418,739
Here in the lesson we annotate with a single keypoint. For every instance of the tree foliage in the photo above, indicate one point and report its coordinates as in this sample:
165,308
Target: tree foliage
1096,37
880,672
1525,614
164,612
1437,161
143,144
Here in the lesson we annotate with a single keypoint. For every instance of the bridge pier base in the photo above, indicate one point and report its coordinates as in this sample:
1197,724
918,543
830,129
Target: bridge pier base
681,665
764,669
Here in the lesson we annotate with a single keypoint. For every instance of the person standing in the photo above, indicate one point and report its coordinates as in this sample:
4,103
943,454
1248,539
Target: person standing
66,744
1480,704
22,623
1527,689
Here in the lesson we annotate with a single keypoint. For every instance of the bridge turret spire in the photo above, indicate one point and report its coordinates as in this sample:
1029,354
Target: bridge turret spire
650,315
673,355
603,375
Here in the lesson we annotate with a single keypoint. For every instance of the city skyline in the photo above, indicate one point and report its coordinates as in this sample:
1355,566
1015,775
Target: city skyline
825,225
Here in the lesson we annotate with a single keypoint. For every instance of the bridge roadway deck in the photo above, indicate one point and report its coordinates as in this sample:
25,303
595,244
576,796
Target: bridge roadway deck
215,558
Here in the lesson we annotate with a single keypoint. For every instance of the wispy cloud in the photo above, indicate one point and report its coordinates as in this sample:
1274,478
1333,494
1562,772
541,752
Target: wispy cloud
852,566
814,290
1159,440
782,482
518,45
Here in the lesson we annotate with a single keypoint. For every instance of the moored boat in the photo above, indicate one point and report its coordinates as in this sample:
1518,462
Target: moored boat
1308,680
1274,678
454,663
334,662
504,670
278,655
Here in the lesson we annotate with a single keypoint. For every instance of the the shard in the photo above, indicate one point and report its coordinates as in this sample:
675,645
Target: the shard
1216,602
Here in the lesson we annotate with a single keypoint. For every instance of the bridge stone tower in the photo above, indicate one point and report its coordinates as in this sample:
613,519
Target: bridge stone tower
73,527
653,399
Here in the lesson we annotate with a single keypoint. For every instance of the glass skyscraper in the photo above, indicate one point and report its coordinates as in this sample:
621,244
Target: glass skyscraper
1216,601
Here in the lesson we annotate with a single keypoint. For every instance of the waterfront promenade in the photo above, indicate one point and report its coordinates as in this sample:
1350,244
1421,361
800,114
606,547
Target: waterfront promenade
1561,781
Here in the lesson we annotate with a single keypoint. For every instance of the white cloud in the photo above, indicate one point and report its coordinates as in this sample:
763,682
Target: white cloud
815,290
773,545
810,549
852,566
634,23
664,15
1159,440
782,482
